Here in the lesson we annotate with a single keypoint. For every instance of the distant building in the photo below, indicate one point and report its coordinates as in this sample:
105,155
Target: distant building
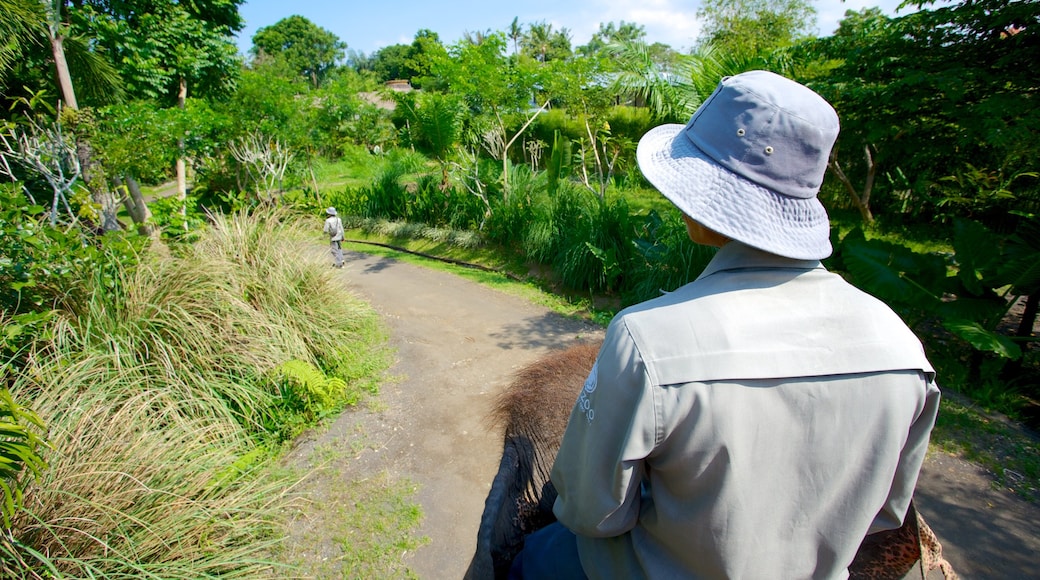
399,85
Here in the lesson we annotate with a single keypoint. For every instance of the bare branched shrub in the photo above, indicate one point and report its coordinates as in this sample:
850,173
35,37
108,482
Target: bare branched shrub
265,160
47,151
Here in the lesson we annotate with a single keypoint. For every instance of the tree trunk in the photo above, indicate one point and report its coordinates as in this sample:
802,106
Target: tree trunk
100,193
62,69
135,205
1025,326
182,166
861,201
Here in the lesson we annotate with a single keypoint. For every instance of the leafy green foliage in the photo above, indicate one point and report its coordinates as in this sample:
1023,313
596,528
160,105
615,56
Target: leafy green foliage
892,272
664,258
945,96
41,266
434,121
309,50
177,220
154,50
137,139
750,27
33,32
983,339
343,119
392,62
406,61
559,163
307,394
612,34
21,24
544,44
1021,264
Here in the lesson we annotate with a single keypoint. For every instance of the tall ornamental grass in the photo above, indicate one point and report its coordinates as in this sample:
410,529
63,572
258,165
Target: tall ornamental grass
160,389
141,483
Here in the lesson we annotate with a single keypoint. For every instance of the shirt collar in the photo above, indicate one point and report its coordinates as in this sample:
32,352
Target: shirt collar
736,255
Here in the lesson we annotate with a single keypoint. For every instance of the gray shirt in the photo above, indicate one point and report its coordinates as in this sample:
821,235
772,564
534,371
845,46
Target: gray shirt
334,228
756,423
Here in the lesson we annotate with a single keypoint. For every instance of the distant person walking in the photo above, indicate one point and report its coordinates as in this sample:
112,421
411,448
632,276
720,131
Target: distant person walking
334,228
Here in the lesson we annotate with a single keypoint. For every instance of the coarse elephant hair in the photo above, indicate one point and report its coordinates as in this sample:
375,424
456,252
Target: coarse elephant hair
532,413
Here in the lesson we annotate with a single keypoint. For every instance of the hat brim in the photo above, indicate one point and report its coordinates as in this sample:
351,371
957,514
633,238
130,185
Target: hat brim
729,204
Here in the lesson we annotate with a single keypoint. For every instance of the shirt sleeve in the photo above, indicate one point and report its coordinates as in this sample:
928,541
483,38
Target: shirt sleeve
910,461
611,431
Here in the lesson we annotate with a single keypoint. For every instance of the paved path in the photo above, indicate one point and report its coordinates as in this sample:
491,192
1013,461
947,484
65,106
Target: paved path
458,343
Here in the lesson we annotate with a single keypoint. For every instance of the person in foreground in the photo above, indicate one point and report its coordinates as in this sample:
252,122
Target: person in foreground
761,420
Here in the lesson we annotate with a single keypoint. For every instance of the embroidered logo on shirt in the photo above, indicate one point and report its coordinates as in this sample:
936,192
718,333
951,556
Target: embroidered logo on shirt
584,403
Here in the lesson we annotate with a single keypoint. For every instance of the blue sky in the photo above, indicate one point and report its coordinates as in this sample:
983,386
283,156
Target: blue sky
372,24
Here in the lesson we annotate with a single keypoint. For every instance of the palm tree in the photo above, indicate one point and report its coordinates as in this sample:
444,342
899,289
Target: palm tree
21,23
26,23
560,44
538,40
673,95
476,38
57,39
516,32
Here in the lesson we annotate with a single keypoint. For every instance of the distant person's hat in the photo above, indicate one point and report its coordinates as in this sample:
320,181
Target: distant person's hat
749,164
331,211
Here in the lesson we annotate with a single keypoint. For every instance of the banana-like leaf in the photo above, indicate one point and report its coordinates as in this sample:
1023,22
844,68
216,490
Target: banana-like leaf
983,339
1022,266
977,254
986,311
893,272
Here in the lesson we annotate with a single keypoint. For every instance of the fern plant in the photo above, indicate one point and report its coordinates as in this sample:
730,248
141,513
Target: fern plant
318,392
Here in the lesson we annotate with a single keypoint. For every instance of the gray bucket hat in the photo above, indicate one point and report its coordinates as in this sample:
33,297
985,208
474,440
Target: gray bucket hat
749,164
331,211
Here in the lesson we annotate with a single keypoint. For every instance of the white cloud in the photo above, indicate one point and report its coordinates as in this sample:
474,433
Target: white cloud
678,29
671,22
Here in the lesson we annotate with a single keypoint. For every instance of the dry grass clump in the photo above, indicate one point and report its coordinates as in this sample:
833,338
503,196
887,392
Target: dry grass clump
141,483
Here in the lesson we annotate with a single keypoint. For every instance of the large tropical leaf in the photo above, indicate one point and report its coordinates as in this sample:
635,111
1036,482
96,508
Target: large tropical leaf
892,272
977,255
986,311
983,339
1022,264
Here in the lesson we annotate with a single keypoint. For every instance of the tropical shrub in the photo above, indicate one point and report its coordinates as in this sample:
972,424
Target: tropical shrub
664,258
630,122
554,121
965,296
